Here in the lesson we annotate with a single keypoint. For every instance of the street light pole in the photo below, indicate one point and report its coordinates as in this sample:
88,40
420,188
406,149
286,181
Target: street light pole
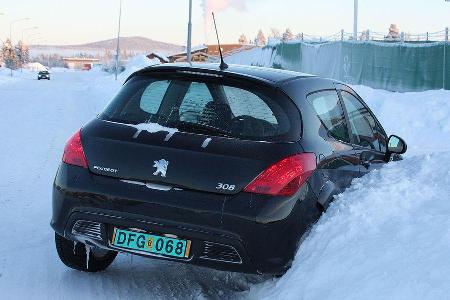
11,24
355,20
118,39
10,33
189,39
28,29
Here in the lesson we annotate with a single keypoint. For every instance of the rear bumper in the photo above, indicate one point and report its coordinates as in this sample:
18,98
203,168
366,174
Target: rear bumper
263,231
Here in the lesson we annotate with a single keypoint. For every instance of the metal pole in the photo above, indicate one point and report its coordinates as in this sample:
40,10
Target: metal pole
355,21
10,34
189,39
118,39
27,29
444,69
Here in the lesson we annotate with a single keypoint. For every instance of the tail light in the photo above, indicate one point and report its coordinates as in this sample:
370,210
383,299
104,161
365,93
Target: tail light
285,177
73,152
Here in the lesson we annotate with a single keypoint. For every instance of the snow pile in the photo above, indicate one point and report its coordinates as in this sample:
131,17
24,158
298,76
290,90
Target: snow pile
261,57
387,237
35,67
422,119
135,64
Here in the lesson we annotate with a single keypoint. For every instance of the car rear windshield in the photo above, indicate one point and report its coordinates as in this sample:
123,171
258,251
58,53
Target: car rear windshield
207,106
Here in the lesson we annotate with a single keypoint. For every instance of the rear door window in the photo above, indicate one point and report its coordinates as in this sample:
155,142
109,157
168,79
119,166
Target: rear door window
209,107
328,108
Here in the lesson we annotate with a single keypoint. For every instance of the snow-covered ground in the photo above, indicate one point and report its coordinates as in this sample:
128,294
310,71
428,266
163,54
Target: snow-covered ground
387,237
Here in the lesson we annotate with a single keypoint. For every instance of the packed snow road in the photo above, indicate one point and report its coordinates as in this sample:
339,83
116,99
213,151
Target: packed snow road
387,241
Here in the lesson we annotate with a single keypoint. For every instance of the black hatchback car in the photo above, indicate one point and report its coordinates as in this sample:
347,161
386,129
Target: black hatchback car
220,168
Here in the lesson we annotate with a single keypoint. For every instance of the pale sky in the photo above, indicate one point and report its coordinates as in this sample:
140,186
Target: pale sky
73,22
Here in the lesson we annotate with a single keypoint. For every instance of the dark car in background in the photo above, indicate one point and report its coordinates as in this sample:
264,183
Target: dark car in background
44,75
220,168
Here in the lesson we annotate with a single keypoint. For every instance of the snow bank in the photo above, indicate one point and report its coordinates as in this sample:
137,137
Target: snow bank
261,57
387,237
5,75
35,67
422,119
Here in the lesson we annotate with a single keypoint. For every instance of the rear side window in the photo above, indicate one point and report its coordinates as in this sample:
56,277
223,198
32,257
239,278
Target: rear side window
365,130
210,107
253,106
327,107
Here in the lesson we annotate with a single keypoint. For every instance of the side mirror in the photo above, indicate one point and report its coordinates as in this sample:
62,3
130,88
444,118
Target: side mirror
396,145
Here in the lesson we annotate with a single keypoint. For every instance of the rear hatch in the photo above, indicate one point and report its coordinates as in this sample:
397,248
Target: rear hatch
203,133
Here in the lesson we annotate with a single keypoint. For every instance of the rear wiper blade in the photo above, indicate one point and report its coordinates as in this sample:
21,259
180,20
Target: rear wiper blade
202,128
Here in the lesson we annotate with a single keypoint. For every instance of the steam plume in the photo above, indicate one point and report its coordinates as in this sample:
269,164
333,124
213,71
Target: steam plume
217,6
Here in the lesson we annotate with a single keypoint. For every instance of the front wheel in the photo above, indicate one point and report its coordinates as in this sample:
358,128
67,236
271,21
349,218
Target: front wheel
75,255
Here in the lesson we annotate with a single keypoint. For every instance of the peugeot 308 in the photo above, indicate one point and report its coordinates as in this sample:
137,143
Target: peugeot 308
219,168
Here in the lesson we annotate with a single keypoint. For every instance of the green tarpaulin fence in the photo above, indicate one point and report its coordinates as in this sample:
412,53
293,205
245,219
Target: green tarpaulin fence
391,66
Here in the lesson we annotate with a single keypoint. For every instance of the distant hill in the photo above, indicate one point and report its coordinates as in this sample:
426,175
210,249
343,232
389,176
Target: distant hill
130,44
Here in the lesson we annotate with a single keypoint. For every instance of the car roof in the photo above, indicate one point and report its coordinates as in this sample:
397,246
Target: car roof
273,76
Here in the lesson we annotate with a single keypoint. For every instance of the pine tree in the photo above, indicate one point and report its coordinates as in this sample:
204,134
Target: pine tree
275,33
260,39
288,35
243,40
22,54
9,55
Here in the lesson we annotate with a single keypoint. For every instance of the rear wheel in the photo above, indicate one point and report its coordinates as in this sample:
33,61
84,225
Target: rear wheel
75,255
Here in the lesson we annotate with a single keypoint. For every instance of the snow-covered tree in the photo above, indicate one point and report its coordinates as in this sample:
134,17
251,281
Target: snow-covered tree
22,54
260,39
394,33
275,33
9,55
243,40
288,35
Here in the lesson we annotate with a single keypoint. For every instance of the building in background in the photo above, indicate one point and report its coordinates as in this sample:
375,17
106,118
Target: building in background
80,63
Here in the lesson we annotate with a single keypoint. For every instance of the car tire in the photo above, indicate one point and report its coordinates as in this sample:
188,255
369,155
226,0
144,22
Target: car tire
74,255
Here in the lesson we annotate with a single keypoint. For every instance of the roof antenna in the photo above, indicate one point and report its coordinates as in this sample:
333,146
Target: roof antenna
223,65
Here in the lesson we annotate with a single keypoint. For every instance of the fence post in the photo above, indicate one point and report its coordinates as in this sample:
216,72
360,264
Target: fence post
302,37
367,35
428,36
342,35
444,68
402,37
